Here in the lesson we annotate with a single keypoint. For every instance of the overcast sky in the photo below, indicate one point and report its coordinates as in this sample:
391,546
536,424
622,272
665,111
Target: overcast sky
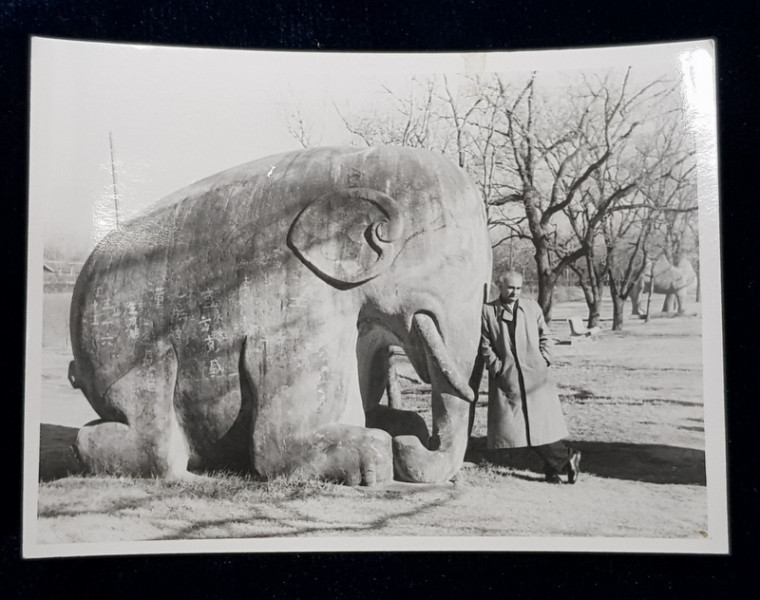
177,115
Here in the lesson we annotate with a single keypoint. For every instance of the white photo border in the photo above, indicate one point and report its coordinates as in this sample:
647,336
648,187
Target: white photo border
697,59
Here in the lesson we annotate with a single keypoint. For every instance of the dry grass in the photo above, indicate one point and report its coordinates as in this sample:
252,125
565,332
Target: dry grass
633,402
488,501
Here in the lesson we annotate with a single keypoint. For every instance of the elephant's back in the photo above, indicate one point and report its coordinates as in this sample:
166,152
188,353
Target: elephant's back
198,258
257,194
161,274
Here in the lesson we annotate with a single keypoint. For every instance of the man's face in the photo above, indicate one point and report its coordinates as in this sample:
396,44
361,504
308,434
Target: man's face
510,287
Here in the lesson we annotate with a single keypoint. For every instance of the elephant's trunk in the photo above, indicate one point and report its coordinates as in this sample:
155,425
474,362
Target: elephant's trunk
451,394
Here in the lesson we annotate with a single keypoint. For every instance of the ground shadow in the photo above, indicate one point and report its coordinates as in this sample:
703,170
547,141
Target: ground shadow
652,463
57,459
293,518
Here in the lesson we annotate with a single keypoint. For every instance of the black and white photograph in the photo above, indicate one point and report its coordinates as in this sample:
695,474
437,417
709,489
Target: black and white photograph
299,301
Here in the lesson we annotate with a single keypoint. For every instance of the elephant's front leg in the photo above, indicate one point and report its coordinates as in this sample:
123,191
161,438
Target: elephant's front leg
377,375
392,387
347,454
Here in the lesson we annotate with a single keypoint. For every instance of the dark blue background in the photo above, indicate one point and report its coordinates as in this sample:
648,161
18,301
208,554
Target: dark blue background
387,26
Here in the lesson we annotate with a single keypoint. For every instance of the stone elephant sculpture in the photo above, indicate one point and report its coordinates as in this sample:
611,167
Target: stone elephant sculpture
246,320
675,281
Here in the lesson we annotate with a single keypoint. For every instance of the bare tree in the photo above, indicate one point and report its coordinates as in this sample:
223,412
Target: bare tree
550,152
625,235
410,123
551,160
301,127
606,214
460,118
449,117
657,219
675,195
589,270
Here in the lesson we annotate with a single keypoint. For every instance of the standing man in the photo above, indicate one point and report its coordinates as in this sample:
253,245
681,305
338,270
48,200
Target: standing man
523,404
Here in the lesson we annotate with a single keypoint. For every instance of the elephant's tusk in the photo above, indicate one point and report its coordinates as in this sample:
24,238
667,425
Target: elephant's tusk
439,355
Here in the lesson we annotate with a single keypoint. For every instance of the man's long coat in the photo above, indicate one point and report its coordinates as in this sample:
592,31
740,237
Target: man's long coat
523,404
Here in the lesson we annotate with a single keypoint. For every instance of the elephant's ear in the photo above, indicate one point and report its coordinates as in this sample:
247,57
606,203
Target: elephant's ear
348,236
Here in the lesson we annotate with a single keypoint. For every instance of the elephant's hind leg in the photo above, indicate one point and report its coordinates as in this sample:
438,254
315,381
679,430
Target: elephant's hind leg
151,442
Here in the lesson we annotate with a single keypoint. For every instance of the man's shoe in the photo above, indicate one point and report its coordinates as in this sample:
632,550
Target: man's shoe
552,478
574,467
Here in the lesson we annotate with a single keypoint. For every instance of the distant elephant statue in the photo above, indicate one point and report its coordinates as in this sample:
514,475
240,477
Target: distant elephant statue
247,321
672,280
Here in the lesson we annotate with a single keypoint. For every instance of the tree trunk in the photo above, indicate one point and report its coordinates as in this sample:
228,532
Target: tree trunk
617,293
595,306
546,294
547,279
593,296
587,294
594,311
593,288
618,310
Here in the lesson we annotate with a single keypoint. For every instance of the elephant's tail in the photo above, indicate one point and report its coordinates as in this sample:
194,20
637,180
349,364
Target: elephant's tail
73,376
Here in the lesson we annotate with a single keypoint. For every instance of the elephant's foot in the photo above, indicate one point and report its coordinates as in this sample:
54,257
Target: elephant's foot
151,442
345,454
110,448
107,447
398,422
